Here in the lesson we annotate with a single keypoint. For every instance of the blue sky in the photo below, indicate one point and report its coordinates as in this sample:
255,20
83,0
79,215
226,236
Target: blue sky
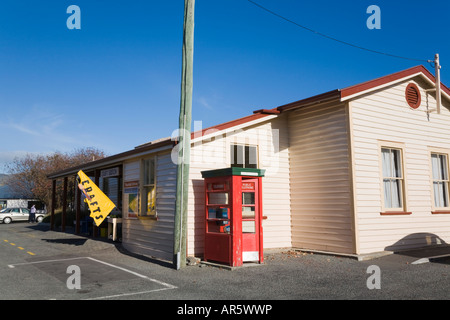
115,83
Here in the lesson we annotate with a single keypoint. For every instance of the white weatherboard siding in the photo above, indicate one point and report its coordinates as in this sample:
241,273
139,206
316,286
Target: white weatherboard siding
383,118
320,179
272,141
146,236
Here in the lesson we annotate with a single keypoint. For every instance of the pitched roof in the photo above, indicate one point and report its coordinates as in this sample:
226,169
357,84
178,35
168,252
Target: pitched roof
260,115
366,87
389,79
114,159
337,95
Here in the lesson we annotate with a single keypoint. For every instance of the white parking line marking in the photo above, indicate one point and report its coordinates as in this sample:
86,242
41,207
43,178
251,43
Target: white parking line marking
130,294
169,286
43,261
426,260
166,286
420,261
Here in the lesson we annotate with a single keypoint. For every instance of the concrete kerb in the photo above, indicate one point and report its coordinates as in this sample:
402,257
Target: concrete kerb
268,252
359,257
424,254
227,267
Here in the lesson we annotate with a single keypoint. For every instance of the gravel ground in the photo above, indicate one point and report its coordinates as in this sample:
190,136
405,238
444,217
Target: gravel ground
109,272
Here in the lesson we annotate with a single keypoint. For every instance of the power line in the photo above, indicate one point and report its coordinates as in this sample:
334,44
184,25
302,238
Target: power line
331,38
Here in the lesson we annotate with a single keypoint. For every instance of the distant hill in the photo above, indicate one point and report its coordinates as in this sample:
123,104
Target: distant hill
2,178
5,191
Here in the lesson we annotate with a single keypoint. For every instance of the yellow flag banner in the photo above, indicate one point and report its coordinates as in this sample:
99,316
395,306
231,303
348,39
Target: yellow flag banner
99,204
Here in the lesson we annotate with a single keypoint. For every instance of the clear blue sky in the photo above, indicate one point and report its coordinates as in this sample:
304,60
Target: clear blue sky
115,83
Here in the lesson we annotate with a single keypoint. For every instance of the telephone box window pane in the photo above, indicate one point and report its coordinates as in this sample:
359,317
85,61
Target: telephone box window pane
212,213
218,198
248,198
248,212
248,226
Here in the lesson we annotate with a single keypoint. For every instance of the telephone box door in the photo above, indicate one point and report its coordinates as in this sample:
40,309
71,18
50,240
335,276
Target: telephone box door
251,231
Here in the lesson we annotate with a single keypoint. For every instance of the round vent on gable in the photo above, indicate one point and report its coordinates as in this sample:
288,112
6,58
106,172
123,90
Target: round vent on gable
412,95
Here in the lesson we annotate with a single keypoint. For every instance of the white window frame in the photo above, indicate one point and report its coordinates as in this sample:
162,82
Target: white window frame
401,179
232,164
146,185
445,181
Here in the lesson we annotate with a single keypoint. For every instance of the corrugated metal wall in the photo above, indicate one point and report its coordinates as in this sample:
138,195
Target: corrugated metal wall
147,236
320,179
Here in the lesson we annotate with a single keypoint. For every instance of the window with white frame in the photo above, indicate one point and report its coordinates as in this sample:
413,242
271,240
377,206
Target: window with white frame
393,182
244,156
439,168
148,191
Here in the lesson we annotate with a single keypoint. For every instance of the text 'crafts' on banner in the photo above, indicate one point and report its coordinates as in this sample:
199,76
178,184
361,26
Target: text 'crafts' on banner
99,204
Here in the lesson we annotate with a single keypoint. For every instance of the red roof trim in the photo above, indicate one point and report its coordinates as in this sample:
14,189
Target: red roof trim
324,97
229,124
390,78
268,111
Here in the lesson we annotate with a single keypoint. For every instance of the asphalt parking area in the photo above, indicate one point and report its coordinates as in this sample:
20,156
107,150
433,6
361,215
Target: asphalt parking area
83,278
35,265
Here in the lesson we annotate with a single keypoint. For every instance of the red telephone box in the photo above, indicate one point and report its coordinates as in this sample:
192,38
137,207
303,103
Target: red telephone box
233,228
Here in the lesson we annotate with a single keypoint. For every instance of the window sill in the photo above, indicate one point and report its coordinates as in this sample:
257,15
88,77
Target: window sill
395,213
147,217
440,212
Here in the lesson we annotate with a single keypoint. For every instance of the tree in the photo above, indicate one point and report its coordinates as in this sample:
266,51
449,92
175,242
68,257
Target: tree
28,174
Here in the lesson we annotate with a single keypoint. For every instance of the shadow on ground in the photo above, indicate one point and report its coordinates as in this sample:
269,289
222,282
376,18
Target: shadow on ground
73,242
423,245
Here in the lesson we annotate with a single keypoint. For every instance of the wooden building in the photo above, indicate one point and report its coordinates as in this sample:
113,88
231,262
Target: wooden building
356,170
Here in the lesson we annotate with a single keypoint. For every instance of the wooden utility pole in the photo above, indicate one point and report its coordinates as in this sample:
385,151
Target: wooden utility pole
437,67
437,88
184,138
